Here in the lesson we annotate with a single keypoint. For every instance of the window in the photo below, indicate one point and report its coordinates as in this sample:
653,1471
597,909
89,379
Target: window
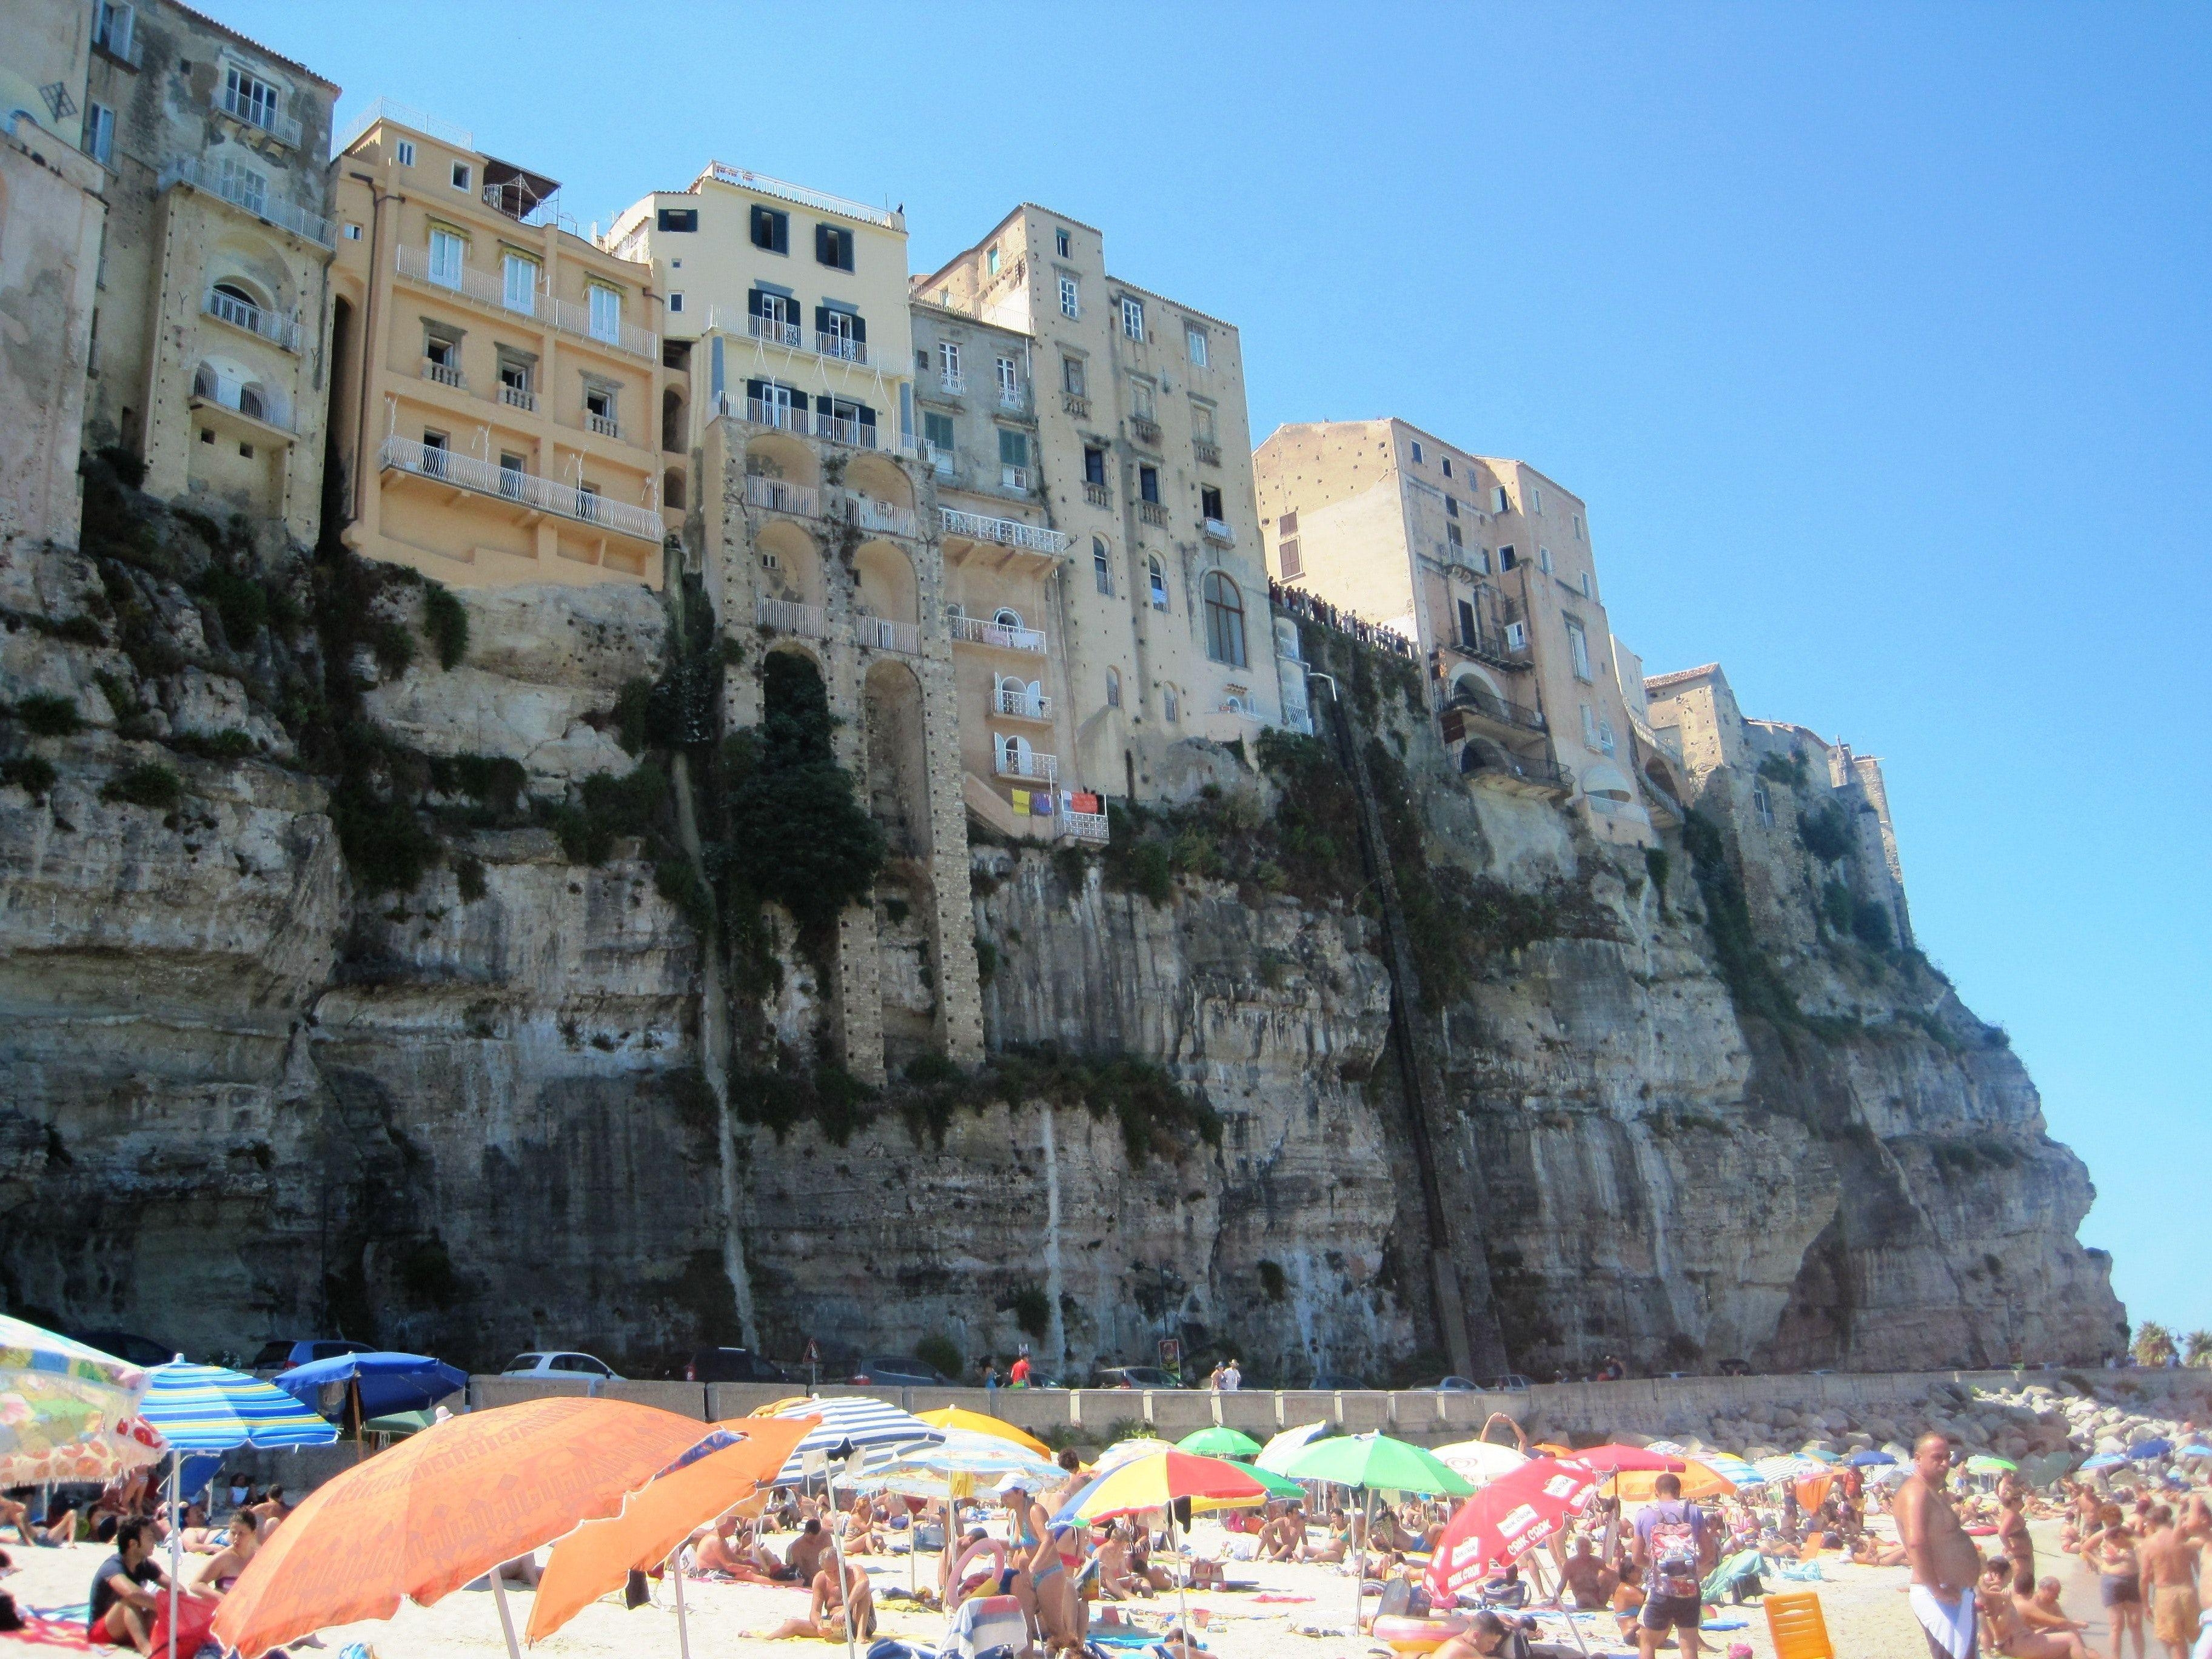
948,359
250,98
1589,727
1499,501
1094,467
1171,706
1156,581
1291,559
1466,634
518,282
1060,243
441,350
514,382
1577,521
1148,484
1764,803
1507,558
1113,688
446,252
1069,304
435,446
937,430
599,410
1543,560
110,28
1132,318
1014,448
1451,506
1578,649
1535,499
771,230
1140,400
460,175
1605,737
1101,567
676,302
406,152
1209,503
677,218
1587,592
1201,422
99,133
353,233
1193,339
839,334
512,469
245,186
1225,620
1417,451
991,262
1010,382
606,314
1447,461
1289,526
833,247
1452,536
1071,376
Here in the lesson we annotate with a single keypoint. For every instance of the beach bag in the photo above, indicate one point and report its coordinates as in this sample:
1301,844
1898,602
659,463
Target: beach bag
1674,1546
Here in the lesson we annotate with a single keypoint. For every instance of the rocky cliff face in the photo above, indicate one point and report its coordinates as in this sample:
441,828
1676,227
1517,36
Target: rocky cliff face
256,1083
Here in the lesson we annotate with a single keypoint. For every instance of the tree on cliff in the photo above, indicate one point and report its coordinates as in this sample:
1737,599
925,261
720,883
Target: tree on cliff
2197,1349
2154,1344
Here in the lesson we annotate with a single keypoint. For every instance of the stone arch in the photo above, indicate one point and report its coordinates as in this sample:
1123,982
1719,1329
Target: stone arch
790,563
898,757
887,584
780,455
671,489
256,264
881,479
1472,685
675,430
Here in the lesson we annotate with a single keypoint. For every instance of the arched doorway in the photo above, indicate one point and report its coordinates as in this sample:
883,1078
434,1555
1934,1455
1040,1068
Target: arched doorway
909,954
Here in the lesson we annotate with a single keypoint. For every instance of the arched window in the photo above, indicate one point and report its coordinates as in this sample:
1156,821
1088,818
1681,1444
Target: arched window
1113,688
1225,620
250,402
1101,569
1156,574
1170,705
1008,617
203,385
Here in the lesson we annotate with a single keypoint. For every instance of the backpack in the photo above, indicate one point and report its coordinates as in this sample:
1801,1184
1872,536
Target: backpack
1673,1542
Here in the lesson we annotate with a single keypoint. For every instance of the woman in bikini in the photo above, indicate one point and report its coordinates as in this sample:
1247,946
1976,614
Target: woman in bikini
223,1568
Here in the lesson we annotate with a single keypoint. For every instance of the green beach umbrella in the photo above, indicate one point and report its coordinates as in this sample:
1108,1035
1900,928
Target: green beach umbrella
1379,1463
1983,1464
1220,1441
1278,1485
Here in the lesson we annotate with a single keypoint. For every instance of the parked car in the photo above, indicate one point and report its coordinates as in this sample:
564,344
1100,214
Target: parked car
1736,1368
1135,1377
1511,1383
282,1354
552,1362
889,1371
1451,1385
144,1352
730,1365
1330,1382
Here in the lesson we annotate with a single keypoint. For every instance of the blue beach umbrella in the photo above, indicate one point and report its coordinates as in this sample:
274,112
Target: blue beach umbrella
387,1383
2145,1451
1869,1457
2104,1461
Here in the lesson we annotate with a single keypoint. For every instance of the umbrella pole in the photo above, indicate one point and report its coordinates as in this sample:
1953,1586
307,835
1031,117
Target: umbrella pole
176,1480
506,1618
1183,1583
1359,1566
683,1626
356,1392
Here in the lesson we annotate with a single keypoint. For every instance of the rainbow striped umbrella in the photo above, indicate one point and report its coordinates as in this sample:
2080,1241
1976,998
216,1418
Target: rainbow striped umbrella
207,1408
67,1412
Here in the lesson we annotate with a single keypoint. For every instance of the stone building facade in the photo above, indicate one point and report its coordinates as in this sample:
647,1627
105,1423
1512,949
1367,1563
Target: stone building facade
497,377
210,345
1487,566
1141,433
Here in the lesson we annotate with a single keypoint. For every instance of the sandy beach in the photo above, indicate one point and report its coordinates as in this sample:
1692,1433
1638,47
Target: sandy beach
1865,1609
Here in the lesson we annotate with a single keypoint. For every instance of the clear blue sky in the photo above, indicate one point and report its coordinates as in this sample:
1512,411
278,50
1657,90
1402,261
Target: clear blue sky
1876,337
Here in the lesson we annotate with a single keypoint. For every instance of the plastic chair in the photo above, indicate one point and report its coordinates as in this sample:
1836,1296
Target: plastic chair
1799,1629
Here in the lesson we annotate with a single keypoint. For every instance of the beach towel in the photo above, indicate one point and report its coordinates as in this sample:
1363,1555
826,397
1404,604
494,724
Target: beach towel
52,1627
892,1648
985,1626
1736,1576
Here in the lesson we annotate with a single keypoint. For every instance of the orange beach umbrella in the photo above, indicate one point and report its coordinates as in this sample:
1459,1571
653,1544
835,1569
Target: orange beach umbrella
726,1466
444,1507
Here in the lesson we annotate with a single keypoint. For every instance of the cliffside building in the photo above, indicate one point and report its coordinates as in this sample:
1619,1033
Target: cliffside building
52,209
1487,566
1792,797
1131,413
497,393
209,344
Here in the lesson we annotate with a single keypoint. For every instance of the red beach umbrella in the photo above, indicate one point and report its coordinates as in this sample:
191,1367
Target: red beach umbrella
1507,1519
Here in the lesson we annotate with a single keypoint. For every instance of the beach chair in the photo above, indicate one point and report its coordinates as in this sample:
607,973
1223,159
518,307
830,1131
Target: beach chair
986,1628
1799,1629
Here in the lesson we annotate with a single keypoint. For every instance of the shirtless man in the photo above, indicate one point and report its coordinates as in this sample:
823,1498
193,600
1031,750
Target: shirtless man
826,1613
718,1552
1284,1538
2006,1626
53,1532
2169,1571
1945,1563
222,1568
1588,1577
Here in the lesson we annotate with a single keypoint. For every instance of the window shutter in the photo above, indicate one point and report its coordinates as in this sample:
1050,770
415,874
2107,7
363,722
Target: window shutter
825,407
867,418
822,319
860,329
825,250
754,301
756,391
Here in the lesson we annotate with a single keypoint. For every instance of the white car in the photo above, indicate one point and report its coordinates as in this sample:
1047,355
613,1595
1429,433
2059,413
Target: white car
561,1364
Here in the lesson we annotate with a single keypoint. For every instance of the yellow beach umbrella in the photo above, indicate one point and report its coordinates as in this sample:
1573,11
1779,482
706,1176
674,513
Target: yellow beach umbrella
1699,1480
953,1417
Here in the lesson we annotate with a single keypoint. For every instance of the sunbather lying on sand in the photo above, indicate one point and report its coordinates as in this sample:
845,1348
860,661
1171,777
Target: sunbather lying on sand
825,1614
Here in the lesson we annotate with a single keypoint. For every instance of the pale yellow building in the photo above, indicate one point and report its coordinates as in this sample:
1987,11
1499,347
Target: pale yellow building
1487,566
1140,436
209,352
52,209
497,393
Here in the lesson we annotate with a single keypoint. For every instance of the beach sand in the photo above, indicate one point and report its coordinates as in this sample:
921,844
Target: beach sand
1865,1609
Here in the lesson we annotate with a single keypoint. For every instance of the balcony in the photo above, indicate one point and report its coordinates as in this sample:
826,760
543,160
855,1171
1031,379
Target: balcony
283,331
1506,648
777,496
785,617
1007,532
1468,712
975,630
1012,400
767,411
1022,704
260,113
952,385
1026,764
837,429
578,321
524,489
445,373
1076,404
1527,775
772,332
940,460
491,290
843,347
1097,495
881,634
882,519
1145,430
1208,453
604,425
1014,478
1153,513
243,188
1086,826
1218,530
518,397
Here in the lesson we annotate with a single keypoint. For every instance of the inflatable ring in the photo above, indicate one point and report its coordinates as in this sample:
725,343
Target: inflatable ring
1419,1635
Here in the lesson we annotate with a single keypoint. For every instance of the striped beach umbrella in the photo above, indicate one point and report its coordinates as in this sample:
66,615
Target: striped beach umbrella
1732,1468
206,1408
67,1412
1789,1466
867,1424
